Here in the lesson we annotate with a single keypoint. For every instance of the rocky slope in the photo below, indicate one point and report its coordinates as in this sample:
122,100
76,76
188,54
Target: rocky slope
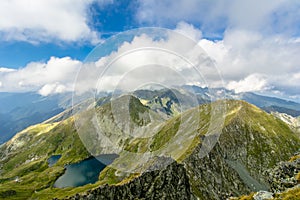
251,142
169,183
285,175
284,180
293,122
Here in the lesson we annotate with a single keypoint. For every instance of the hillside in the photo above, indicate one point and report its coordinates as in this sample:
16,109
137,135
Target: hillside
20,110
211,151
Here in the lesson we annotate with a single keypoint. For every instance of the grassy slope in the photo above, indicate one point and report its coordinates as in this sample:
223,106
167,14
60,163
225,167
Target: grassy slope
37,178
28,153
25,156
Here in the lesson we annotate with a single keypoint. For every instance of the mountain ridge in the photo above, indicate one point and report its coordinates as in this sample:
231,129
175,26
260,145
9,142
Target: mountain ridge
19,110
234,145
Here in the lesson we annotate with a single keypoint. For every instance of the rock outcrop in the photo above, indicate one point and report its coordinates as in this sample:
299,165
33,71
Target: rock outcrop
285,175
169,183
263,195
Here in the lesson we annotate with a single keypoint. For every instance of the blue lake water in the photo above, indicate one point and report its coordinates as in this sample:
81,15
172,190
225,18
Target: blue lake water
53,159
84,172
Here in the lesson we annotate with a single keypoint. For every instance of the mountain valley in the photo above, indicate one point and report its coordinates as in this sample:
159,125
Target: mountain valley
166,149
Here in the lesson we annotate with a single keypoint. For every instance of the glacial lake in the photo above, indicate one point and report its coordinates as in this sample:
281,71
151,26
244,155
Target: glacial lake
53,159
84,172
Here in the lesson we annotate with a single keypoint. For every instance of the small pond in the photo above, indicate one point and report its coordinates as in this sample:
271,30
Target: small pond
53,159
84,172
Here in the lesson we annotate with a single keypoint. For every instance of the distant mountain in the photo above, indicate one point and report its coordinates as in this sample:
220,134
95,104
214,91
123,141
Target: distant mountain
251,142
169,102
265,102
293,113
20,110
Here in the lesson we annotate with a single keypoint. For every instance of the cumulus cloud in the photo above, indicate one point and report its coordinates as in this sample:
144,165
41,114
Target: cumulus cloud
251,83
35,21
243,53
53,88
259,39
246,60
287,84
163,12
4,69
189,30
55,76
171,59
214,17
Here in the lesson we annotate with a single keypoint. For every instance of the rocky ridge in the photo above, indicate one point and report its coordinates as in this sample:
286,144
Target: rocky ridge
169,183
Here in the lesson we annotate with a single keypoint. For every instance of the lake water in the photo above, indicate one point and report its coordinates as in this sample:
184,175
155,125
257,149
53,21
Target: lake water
84,172
53,159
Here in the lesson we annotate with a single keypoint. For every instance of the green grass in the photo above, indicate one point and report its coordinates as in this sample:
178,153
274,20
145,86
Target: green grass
138,145
165,134
135,109
35,176
242,122
45,140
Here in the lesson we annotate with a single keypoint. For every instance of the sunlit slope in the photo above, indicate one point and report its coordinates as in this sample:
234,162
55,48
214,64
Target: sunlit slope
225,148
24,157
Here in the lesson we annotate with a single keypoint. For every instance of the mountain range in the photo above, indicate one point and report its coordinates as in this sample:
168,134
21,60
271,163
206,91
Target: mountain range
171,144
20,110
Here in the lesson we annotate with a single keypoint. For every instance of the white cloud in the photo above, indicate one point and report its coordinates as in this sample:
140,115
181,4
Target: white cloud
55,76
243,53
258,37
247,61
151,60
147,53
53,89
189,30
287,83
251,83
213,17
35,21
3,70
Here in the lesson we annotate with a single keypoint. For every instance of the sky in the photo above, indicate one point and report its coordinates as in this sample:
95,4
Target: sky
255,44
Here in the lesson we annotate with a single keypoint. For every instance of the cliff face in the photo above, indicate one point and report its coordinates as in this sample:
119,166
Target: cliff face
285,175
212,178
284,180
169,183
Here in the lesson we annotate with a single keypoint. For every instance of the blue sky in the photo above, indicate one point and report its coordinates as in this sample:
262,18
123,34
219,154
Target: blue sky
105,18
251,41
